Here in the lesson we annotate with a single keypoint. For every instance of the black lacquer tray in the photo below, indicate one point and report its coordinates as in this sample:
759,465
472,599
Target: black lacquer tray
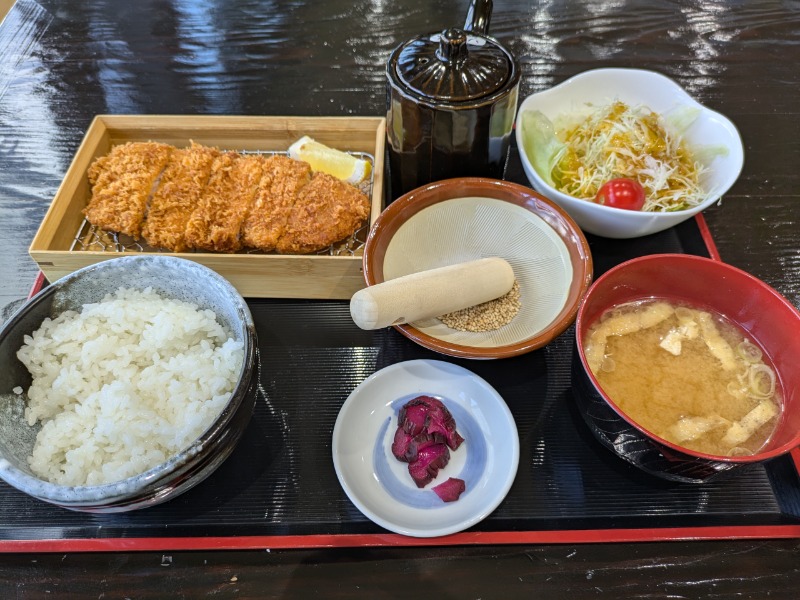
279,488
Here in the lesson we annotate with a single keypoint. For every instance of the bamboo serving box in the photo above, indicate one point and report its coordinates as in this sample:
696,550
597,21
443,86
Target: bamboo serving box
323,276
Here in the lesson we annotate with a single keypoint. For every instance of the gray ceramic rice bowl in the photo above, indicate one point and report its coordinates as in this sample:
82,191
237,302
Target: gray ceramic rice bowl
170,277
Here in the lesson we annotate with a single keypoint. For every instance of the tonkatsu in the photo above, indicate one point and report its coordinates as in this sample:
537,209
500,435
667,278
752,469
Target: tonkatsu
326,211
121,185
203,198
216,222
177,196
279,189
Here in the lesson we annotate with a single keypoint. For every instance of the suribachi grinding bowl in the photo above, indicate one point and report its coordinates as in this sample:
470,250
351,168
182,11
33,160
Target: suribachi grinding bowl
170,277
468,218
758,309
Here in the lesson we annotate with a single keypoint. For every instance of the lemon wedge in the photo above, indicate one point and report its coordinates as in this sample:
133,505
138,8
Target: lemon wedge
334,162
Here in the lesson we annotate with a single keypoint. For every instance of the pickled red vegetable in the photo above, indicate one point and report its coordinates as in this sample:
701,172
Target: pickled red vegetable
450,490
429,461
426,432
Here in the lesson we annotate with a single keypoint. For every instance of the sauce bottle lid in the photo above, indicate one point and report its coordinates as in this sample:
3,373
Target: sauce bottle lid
452,66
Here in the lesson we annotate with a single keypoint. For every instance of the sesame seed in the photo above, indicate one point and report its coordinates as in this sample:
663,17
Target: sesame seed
487,316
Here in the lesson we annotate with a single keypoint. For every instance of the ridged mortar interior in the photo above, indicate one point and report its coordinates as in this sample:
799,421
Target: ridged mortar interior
470,228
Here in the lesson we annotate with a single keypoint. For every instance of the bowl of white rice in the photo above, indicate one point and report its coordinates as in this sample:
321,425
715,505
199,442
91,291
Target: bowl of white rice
125,383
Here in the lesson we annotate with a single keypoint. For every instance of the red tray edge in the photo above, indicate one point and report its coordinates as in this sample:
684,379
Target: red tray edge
298,542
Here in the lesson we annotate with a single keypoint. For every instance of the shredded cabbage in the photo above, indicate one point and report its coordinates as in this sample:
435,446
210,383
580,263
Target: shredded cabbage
620,141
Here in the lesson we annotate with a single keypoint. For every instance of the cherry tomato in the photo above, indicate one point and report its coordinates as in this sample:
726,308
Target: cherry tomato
621,193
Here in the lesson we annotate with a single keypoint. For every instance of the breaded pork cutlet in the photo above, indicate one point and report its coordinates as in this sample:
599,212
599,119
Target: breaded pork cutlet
176,197
283,179
216,222
326,211
121,184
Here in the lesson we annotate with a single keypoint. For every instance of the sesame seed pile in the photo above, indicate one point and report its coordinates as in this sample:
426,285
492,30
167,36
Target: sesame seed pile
487,316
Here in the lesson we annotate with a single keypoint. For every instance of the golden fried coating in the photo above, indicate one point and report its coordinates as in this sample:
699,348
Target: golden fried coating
121,184
176,197
326,211
224,203
220,201
283,179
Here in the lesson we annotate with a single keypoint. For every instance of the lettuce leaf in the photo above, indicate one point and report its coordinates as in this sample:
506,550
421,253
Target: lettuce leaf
706,153
540,143
678,120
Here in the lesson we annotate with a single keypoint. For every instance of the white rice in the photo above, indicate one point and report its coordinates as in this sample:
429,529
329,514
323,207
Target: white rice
124,385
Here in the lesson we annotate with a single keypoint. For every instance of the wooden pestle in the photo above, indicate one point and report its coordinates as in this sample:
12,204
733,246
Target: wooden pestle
431,293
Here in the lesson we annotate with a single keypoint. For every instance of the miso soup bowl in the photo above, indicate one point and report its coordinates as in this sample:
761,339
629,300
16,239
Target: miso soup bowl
771,320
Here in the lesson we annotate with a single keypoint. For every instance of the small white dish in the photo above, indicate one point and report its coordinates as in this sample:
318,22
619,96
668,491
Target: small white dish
660,94
380,486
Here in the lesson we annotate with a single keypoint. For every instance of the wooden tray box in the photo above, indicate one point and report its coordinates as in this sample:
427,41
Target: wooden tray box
254,275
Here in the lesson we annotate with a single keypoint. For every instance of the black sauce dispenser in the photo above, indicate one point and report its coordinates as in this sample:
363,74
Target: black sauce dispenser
452,99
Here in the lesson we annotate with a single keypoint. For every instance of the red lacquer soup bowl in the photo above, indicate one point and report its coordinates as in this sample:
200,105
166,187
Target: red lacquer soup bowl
769,318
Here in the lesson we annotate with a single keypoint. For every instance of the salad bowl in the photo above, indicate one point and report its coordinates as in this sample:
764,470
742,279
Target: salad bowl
711,137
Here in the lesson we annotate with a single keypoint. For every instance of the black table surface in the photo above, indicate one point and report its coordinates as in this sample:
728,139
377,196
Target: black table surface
62,62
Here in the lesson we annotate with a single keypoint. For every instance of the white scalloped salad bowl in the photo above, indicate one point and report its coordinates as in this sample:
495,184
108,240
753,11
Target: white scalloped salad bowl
660,94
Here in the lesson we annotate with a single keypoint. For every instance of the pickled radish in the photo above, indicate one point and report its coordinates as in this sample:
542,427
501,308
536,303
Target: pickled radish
426,432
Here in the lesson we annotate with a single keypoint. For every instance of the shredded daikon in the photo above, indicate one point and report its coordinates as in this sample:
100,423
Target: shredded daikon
621,141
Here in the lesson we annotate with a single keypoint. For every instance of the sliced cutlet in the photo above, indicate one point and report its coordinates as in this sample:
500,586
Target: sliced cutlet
327,210
176,196
216,222
283,178
121,184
